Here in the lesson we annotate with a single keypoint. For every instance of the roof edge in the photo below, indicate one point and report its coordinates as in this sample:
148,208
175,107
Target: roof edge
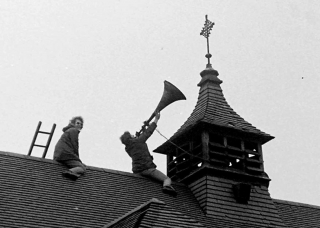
22,156
153,200
263,138
296,203
13,154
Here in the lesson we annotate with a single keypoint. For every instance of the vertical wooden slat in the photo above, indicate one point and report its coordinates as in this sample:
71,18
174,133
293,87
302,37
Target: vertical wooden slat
169,159
260,156
205,147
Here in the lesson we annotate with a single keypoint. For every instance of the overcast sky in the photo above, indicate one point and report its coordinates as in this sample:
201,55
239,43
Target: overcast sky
107,60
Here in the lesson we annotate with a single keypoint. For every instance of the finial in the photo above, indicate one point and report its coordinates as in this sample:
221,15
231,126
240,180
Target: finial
206,32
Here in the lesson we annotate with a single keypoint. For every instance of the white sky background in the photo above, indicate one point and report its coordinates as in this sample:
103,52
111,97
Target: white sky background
107,60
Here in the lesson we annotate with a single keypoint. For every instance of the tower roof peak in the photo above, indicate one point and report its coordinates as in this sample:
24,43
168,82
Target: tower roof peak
206,32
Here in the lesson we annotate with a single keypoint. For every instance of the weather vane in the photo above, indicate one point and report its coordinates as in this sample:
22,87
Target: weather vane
206,32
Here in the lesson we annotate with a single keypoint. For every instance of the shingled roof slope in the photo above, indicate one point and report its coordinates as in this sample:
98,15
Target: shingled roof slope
212,108
33,193
298,215
154,213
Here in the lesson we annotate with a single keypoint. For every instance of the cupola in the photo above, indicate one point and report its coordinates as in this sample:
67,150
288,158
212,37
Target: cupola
219,155
215,138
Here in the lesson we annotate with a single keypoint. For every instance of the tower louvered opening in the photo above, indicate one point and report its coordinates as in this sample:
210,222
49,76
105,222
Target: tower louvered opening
184,159
236,154
224,152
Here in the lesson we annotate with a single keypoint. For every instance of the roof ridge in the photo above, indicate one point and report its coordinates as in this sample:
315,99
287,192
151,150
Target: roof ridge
140,207
147,210
12,154
296,203
175,217
125,173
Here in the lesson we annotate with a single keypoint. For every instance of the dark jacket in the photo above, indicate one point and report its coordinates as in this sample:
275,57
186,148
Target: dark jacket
67,148
138,150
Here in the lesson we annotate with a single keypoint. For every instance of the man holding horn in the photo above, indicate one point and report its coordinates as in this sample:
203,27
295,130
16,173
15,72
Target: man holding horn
142,161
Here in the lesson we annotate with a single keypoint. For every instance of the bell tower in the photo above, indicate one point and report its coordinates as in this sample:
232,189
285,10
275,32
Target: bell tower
215,139
219,155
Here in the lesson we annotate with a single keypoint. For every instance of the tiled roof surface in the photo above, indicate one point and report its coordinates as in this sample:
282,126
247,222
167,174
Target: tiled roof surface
33,193
212,108
298,215
154,214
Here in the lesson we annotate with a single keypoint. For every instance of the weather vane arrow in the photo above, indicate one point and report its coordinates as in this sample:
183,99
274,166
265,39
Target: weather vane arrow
206,32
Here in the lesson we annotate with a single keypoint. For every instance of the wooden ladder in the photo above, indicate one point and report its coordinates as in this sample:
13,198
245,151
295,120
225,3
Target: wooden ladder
35,138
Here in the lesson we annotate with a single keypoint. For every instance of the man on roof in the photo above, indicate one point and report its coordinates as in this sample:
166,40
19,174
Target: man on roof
142,161
67,149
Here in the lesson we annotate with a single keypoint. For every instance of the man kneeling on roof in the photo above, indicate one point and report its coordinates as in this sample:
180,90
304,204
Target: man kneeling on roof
67,149
142,161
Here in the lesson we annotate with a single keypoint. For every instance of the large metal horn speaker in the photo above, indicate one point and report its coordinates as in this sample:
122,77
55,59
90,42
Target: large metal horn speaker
170,95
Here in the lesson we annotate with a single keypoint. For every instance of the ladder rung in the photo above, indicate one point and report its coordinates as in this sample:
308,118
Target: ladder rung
39,145
44,132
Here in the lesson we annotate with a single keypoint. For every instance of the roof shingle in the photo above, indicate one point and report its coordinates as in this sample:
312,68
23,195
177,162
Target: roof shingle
298,215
